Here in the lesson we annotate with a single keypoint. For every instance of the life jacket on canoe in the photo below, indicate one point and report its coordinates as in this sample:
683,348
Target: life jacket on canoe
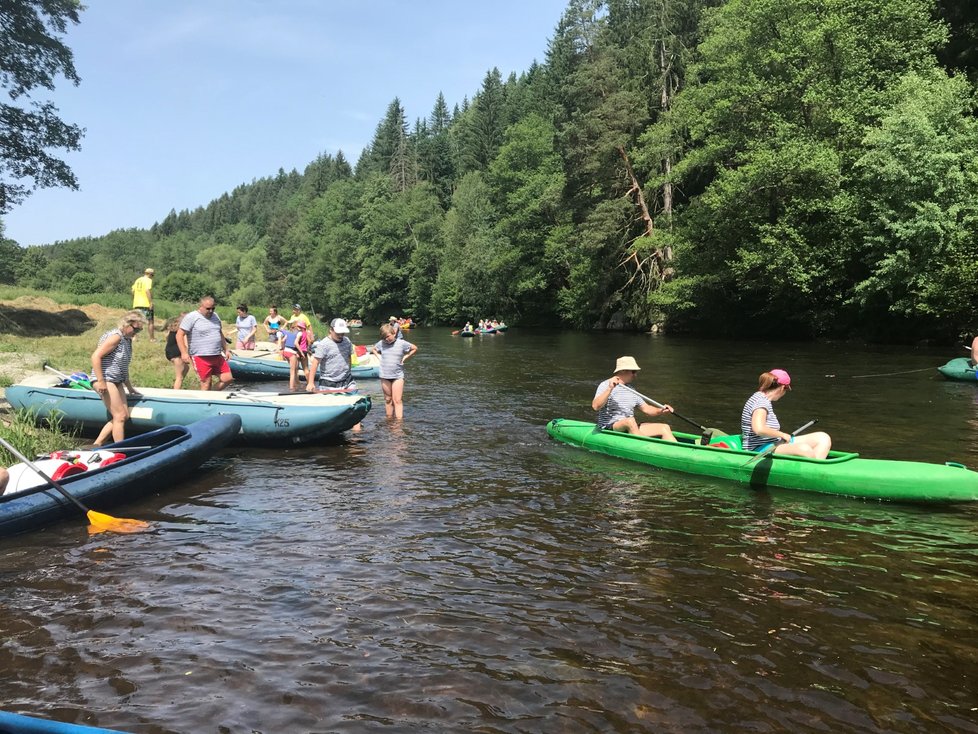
59,465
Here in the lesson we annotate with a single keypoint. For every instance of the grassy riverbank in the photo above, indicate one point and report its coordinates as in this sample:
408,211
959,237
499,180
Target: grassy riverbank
62,330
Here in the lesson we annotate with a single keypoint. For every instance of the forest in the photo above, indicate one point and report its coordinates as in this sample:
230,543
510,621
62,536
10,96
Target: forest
760,168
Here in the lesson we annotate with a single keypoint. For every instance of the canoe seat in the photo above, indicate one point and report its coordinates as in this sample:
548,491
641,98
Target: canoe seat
68,469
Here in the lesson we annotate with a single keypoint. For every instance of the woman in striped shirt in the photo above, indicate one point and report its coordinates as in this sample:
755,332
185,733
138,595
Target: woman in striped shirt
110,368
760,428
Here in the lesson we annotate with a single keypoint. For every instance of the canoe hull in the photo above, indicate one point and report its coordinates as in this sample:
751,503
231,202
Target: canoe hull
262,422
176,452
257,369
842,474
959,369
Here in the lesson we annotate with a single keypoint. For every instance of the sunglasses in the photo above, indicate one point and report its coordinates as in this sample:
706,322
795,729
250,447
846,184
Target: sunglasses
209,309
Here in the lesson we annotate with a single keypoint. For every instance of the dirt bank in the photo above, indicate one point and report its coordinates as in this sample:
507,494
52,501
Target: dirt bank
30,317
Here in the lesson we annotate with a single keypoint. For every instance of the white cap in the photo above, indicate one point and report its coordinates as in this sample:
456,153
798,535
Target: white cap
339,326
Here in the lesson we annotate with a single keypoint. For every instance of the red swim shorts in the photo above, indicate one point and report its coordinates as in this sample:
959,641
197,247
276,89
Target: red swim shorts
207,367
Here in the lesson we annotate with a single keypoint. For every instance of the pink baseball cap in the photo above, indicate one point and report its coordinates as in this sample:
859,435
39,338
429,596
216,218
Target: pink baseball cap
782,377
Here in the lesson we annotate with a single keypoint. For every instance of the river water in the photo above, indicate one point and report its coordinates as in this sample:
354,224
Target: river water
461,572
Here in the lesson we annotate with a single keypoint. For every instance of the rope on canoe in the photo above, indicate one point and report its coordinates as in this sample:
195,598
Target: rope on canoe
888,374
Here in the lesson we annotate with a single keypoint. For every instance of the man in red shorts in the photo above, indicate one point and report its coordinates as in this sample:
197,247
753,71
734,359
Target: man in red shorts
207,350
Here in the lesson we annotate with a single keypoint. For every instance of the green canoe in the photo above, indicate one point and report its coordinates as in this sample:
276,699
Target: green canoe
959,369
841,473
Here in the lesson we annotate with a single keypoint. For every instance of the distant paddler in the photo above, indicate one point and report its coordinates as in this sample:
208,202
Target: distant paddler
616,405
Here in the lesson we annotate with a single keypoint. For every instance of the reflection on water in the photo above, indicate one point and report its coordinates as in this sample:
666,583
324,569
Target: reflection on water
459,571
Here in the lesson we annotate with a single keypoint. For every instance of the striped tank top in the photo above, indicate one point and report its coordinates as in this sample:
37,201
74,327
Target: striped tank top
115,364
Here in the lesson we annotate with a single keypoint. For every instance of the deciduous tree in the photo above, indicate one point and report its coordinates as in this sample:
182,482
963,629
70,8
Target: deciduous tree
33,55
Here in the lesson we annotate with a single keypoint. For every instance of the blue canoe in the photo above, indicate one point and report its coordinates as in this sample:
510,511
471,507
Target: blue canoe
267,367
266,418
20,724
173,453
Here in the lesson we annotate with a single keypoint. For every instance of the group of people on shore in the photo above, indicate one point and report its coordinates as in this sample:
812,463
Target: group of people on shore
197,339
619,406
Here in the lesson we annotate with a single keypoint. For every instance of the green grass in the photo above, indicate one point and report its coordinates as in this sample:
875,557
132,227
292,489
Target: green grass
149,367
25,435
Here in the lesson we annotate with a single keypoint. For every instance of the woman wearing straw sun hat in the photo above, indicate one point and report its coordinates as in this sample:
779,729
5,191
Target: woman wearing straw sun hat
617,405
760,428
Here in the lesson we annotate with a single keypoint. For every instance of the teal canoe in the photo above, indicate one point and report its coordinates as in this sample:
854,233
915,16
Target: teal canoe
268,367
959,369
845,474
266,418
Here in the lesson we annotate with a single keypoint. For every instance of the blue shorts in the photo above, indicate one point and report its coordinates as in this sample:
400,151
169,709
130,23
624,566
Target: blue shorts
769,444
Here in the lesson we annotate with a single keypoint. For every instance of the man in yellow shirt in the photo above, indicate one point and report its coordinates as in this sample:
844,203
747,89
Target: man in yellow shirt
297,315
142,298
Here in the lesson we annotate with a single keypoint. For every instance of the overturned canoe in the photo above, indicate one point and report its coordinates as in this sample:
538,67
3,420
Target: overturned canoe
959,369
264,366
266,418
841,473
162,458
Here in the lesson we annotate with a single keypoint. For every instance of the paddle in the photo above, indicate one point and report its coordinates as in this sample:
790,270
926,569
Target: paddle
770,449
99,520
68,378
707,433
254,354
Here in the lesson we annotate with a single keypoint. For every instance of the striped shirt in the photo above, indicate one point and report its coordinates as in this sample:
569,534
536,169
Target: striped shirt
621,404
115,364
751,441
204,334
334,359
391,356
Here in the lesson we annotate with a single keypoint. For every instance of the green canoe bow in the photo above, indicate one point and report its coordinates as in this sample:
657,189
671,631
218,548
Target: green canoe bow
844,474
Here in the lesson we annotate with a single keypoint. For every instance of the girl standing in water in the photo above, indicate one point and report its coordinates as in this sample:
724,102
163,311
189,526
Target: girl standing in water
393,354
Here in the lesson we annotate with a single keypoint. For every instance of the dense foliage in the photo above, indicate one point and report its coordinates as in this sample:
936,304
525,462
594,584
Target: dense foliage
32,56
759,167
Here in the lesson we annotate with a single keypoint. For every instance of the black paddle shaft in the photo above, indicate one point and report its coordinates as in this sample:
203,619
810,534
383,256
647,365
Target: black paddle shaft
43,476
660,405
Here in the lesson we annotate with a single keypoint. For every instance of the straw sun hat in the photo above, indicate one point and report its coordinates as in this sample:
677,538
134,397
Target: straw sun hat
626,363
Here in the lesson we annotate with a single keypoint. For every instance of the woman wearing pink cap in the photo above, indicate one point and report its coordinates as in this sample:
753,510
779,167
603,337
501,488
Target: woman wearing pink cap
759,426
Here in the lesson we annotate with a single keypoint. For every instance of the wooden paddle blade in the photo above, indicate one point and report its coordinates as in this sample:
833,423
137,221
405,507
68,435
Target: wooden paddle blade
100,522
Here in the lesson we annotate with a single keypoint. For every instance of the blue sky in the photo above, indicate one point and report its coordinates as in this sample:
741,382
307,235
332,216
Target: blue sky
183,100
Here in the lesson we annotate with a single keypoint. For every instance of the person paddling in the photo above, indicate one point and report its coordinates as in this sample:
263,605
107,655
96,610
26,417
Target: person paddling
617,405
760,428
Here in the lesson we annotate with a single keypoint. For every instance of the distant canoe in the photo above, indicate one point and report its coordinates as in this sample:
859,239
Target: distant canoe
355,324
250,366
959,369
266,418
165,456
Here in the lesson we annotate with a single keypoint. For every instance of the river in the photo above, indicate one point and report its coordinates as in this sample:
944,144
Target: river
462,572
